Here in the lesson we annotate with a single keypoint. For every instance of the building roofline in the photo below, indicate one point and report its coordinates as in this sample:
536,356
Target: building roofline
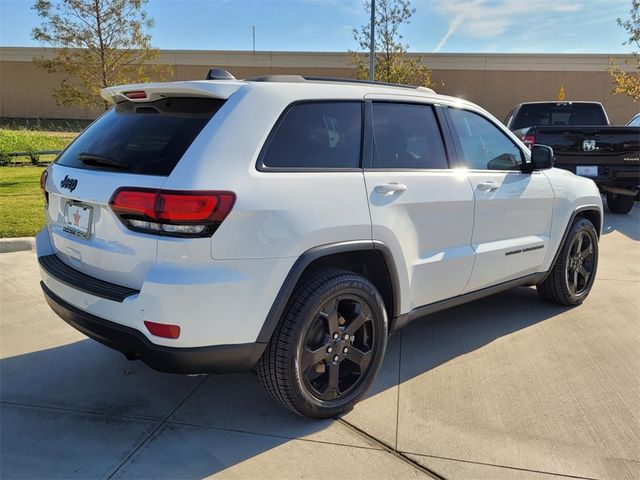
596,62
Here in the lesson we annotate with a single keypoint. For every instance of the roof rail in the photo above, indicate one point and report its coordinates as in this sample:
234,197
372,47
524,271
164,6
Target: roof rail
277,78
302,79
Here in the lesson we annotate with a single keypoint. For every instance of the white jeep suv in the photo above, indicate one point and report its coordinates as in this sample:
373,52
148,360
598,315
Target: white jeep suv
290,224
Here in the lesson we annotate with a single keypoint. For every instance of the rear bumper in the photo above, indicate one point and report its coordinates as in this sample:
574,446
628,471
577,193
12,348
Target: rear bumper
614,176
131,342
213,302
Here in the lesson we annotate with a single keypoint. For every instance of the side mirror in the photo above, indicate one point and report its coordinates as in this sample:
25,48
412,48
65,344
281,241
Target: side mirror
541,157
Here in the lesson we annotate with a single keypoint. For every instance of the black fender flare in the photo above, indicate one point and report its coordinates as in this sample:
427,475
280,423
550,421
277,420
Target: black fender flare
574,215
315,253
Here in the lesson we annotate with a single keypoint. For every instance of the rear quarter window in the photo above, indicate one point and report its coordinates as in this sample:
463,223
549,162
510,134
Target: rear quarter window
315,135
145,138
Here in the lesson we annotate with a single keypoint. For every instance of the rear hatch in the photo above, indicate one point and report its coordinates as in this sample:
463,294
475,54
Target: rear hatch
137,143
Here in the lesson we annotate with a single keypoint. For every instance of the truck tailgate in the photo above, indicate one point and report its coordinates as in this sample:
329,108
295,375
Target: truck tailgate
592,145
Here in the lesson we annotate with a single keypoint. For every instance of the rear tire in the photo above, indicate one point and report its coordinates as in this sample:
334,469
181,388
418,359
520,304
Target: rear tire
620,203
572,275
328,345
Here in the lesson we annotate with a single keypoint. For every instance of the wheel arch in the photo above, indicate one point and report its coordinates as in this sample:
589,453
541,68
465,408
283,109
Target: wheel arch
588,212
593,214
371,259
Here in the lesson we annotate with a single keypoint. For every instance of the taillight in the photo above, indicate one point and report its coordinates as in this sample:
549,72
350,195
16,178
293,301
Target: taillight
173,213
529,140
43,183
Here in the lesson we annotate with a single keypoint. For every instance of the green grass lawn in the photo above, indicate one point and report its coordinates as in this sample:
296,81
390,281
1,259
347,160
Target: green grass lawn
44,124
32,141
21,201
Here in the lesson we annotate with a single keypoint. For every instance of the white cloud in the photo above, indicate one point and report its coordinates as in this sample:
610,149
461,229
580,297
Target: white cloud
567,7
455,23
492,18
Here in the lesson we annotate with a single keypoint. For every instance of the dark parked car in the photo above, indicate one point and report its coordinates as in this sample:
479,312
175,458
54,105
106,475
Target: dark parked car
585,143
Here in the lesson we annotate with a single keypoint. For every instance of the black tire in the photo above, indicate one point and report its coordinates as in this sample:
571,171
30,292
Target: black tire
619,203
296,364
567,283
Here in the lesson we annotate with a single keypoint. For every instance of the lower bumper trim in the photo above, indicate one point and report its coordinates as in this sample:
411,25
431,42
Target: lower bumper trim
131,342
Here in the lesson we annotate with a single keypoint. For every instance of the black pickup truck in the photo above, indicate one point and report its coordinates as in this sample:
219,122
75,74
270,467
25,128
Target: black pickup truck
585,143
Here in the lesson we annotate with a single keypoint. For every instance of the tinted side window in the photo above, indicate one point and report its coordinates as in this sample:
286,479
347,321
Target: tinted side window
484,146
406,136
317,135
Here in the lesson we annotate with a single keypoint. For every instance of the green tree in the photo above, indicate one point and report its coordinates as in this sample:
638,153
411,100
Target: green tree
97,43
624,82
392,62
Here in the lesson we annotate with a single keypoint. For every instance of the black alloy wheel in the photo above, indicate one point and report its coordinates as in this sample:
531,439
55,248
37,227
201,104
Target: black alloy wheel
580,263
572,275
338,347
328,346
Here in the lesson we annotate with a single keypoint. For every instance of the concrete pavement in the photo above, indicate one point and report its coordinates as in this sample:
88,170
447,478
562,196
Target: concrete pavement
505,387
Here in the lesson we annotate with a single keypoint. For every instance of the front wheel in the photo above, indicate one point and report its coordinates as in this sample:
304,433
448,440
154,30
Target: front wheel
620,203
572,275
328,346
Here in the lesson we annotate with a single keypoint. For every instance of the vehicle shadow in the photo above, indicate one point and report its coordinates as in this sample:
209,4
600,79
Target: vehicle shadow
628,224
227,420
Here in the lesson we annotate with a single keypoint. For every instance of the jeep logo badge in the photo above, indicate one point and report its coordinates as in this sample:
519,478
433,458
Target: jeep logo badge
589,145
70,183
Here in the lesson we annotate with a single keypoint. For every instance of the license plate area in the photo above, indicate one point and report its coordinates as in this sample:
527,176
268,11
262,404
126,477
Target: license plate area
587,171
77,219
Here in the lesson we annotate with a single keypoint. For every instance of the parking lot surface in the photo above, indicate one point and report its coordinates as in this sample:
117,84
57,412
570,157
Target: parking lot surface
504,387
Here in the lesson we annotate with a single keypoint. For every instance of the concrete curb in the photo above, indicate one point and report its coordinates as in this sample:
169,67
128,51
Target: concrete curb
19,244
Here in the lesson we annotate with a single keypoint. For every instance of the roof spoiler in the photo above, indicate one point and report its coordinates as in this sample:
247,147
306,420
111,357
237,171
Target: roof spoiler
149,92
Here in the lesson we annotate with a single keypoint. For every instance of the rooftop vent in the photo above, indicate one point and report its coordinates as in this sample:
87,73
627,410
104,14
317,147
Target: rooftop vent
219,74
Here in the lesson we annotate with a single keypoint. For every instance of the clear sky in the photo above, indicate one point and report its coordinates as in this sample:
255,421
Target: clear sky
545,26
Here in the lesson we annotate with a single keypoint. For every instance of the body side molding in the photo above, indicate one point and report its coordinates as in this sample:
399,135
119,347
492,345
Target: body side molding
425,310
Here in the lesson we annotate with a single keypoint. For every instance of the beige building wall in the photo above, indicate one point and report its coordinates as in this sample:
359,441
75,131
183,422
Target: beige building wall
496,81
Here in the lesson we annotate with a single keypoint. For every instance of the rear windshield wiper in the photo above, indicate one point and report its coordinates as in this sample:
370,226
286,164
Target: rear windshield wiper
95,159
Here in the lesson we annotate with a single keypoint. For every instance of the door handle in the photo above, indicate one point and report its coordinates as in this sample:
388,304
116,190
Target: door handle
391,188
488,186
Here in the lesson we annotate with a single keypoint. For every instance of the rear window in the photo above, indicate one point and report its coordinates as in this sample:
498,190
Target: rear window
558,114
316,135
144,138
